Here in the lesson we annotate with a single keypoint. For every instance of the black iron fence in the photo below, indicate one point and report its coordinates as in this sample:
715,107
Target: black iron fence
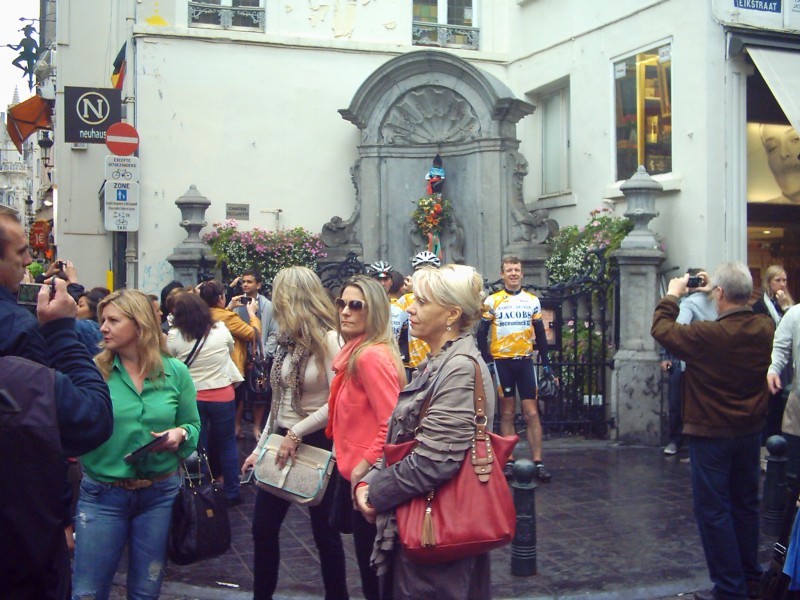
335,275
583,334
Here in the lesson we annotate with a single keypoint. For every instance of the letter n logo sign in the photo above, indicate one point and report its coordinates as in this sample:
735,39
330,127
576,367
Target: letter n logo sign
93,108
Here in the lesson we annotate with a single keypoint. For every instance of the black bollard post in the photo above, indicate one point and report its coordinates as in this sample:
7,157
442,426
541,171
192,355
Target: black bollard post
523,547
775,486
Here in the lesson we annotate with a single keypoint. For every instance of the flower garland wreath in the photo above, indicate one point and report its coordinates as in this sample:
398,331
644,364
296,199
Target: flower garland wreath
430,217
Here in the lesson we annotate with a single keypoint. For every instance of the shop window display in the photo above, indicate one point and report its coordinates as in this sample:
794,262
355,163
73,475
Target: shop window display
643,93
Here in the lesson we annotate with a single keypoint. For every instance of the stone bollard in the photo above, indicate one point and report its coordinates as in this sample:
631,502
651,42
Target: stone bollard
775,486
523,547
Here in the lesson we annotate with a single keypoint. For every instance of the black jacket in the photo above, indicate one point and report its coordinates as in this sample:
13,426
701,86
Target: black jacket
85,417
46,414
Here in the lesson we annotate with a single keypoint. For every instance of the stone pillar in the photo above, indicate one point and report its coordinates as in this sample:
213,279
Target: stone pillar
192,257
637,376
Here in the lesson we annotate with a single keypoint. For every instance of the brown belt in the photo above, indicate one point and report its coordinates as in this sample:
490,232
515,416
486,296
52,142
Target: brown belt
138,484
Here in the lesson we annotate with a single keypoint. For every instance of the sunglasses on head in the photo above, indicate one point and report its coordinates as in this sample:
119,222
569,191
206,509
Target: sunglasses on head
353,305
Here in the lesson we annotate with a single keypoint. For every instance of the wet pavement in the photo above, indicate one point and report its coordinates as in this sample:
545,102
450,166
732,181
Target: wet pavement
615,523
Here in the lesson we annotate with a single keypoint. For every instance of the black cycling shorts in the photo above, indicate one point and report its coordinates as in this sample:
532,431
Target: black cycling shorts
517,374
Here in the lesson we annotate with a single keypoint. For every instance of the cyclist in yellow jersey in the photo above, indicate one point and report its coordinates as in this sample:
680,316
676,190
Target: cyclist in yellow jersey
510,330
417,349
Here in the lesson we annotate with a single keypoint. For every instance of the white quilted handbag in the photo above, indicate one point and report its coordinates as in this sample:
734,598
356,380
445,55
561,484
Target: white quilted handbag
302,480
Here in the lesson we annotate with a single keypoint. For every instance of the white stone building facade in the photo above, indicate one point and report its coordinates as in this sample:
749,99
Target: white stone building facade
244,105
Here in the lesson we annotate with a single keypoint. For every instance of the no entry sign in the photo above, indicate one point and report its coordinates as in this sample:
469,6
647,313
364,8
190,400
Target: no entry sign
122,139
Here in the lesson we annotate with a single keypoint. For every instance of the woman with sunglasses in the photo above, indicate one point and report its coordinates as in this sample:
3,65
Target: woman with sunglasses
301,376
363,395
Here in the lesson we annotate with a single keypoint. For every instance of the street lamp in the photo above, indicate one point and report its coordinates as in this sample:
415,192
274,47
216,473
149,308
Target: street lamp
29,211
45,143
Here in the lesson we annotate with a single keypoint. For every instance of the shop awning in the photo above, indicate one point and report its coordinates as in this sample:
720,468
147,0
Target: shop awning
780,70
25,118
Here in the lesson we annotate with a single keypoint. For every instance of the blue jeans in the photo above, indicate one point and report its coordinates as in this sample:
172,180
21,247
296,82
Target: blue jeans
725,474
218,425
109,517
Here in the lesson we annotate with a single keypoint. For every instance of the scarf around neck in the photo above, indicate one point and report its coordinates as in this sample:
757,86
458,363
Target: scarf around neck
299,356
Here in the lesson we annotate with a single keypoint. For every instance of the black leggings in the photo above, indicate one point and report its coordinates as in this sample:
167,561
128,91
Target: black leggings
267,519
364,539
349,520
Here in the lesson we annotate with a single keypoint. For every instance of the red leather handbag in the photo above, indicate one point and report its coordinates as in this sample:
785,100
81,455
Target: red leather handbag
468,515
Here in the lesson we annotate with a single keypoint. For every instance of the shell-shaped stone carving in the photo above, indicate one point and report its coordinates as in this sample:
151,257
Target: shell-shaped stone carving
430,115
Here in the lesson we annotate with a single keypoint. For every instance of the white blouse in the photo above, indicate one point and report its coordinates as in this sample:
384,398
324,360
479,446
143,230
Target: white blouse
210,367
316,387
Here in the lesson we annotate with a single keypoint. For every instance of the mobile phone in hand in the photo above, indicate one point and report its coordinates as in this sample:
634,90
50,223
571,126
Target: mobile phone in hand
247,477
142,451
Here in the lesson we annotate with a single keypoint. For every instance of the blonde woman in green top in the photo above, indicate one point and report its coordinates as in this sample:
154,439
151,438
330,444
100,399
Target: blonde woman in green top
131,503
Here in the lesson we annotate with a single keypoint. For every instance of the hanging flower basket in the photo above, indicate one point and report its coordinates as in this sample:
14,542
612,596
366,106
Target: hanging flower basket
266,251
572,246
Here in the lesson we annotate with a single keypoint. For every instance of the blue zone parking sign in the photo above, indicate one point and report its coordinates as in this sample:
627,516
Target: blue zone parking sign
122,206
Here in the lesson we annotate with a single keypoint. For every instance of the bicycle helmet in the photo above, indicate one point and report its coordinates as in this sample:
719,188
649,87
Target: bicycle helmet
425,259
380,268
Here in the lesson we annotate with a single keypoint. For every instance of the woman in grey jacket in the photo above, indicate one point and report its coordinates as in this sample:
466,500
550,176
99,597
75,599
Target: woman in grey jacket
447,304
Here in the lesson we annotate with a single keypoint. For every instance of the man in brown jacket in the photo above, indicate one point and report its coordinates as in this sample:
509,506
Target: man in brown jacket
724,405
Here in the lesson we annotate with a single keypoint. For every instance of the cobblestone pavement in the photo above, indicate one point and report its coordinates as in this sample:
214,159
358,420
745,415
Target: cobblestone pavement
614,524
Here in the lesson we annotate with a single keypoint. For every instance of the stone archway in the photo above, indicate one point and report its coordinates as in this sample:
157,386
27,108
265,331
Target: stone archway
411,108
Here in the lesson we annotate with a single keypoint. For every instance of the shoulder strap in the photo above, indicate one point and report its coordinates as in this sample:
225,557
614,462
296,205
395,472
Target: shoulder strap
255,347
480,455
479,398
195,349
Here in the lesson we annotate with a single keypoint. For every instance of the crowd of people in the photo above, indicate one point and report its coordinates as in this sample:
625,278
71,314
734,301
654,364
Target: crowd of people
350,373
347,374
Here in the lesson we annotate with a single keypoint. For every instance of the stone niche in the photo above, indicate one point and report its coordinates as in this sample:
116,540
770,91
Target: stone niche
411,108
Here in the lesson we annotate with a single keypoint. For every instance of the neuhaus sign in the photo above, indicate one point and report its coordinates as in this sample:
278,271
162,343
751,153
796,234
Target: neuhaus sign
88,113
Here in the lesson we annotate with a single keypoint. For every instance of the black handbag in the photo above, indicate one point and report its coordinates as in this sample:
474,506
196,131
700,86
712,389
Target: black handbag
200,527
258,368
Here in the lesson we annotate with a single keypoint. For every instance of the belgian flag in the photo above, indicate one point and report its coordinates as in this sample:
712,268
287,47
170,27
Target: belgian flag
120,64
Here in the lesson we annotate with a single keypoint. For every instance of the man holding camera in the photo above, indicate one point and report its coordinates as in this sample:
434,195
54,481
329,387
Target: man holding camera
724,405
44,416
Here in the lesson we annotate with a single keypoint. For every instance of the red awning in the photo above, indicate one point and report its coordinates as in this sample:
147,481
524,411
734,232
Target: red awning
26,118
